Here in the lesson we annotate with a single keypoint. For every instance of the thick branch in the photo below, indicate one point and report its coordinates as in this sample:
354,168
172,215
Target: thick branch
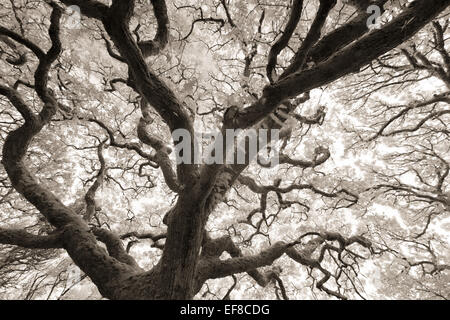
115,246
342,36
90,8
282,42
311,38
162,151
155,91
80,244
349,59
27,43
89,198
24,239
17,101
371,46
152,47
213,269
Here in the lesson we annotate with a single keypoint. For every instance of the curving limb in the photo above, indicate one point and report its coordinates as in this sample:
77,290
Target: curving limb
89,198
283,41
153,47
312,37
212,267
73,231
20,237
349,59
115,247
186,255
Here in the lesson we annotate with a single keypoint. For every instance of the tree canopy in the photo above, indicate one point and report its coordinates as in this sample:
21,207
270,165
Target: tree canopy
93,203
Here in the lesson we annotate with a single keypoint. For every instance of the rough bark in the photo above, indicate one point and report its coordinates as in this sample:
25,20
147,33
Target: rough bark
182,270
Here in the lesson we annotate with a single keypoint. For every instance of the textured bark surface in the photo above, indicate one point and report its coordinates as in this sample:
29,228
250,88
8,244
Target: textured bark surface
189,256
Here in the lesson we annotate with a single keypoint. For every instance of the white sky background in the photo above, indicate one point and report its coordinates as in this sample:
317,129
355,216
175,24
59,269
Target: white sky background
205,63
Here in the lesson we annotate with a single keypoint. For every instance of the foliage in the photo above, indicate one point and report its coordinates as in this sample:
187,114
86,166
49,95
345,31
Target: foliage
358,207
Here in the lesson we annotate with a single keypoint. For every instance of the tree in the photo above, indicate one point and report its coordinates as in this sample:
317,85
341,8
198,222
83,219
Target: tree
88,112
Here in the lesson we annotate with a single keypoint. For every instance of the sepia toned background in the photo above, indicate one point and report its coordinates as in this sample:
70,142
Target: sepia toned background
94,206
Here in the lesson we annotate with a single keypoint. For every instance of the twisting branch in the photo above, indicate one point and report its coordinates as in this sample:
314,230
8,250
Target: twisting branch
305,258
114,246
321,155
343,35
211,267
162,151
129,146
21,59
227,176
227,295
155,91
116,20
153,47
283,41
420,62
27,43
220,21
144,235
349,59
227,12
17,141
439,42
110,50
15,99
89,198
445,97
281,285
312,37
251,55
80,244
257,188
